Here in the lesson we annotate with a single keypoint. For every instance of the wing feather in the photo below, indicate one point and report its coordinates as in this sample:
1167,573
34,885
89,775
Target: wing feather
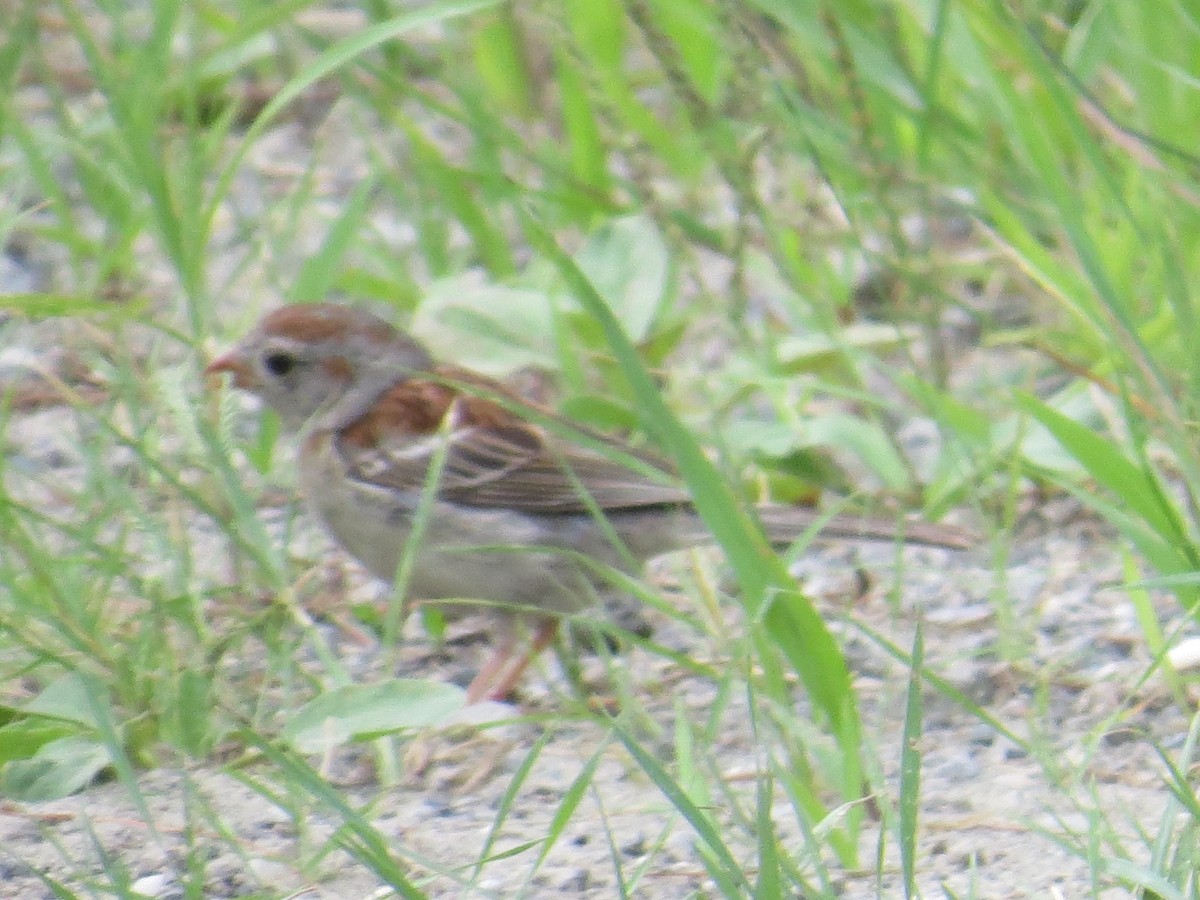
493,457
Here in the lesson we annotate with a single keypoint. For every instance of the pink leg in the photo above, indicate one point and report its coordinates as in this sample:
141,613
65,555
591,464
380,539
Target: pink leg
478,688
541,640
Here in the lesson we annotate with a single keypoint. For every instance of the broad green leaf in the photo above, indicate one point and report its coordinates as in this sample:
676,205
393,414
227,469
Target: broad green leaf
363,712
24,738
833,431
866,440
490,328
626,260
65,698
58,769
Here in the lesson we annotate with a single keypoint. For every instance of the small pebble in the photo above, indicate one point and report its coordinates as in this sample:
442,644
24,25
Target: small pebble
159,884
1185,656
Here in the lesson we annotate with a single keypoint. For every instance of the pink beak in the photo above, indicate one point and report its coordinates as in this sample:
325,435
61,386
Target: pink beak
233,364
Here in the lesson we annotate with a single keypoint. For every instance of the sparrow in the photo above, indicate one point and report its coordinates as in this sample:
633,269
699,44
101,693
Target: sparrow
523,511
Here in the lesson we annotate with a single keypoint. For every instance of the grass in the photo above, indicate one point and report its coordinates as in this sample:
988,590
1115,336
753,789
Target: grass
606,190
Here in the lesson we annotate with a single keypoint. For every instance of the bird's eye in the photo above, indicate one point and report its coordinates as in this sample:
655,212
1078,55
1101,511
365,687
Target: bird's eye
279,364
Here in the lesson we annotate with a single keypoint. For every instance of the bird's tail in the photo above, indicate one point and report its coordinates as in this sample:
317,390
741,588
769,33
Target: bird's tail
784,524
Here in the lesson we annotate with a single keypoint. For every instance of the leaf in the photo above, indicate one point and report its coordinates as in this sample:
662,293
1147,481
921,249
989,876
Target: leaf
720,858
910,765
836,432
320,269
818,351
66,698
58,769
1104,461
194,703
599,412
501,61
866,440
42,306
588,153
23,739
626,261
493,329
363,712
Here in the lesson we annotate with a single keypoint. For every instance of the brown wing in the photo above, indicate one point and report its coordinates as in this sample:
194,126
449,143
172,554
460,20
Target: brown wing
495,458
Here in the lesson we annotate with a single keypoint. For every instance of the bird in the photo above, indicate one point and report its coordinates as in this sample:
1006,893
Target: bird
524,511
